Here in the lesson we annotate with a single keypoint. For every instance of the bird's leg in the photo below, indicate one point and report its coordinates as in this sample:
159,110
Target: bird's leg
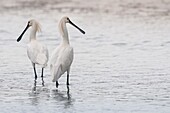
42,77
68,77
57,84
35,72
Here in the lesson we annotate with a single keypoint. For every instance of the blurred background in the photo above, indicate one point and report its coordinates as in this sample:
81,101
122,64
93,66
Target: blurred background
116,7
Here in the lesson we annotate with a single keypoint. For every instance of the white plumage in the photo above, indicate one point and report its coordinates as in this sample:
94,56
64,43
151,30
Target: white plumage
62,56
36,51
62,59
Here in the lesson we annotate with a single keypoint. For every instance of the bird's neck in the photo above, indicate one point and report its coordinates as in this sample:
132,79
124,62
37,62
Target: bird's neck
64,32
33,34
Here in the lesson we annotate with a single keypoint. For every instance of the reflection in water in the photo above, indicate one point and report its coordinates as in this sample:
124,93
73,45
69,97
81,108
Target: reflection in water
34,97
69,102
68,93
37,93
35,84
63,97
40,93
42,80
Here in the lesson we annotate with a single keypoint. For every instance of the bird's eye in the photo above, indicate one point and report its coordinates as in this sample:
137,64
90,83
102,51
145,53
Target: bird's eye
28,22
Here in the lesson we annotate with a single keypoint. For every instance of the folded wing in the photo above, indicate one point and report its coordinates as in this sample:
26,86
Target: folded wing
61,61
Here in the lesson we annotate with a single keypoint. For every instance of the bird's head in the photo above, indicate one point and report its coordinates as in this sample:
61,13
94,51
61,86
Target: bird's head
31,23
67,20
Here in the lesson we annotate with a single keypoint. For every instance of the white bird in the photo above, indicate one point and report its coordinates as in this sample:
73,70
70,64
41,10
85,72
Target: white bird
62,56
37,52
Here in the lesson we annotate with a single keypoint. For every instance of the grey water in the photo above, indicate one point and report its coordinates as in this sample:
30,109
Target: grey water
121,64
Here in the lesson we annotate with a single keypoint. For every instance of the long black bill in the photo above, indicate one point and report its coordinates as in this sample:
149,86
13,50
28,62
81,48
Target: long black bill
20,37
77,27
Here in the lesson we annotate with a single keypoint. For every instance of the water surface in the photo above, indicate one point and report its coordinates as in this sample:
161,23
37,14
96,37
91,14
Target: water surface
121,65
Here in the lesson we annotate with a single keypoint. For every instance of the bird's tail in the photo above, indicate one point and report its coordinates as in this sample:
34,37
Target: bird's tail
56,72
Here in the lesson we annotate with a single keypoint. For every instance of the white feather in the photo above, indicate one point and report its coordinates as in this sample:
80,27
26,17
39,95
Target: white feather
37,53
62,56
61,61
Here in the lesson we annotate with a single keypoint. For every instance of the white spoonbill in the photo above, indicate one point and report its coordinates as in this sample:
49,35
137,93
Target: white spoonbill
37,52
62,56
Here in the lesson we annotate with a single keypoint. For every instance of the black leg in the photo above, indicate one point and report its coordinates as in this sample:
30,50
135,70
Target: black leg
35,73
57,84
67,78
42,76
42,72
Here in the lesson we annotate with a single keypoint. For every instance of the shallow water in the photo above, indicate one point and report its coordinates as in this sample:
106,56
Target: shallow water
121,65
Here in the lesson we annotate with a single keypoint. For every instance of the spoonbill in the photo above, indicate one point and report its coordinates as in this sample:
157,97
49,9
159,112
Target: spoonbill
37,52
62,56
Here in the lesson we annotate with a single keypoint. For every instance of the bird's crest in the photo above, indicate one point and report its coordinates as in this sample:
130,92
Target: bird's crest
37,26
